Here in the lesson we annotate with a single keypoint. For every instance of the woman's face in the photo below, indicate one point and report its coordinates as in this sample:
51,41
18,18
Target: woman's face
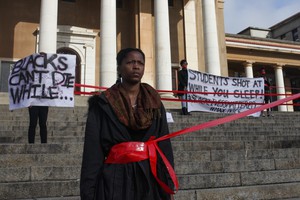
132,68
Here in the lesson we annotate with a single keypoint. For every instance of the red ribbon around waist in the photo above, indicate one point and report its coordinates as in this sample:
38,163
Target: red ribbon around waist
128,152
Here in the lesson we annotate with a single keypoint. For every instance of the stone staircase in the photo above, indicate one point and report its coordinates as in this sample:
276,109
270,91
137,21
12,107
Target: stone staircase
251,158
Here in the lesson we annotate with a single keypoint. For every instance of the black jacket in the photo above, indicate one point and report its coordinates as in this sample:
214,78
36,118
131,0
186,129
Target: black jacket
133,181
182,80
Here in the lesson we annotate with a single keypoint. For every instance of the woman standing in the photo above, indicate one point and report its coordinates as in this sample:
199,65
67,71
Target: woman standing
121,122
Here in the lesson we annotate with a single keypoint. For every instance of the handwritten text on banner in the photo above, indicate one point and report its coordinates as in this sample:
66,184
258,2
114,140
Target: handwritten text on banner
218,89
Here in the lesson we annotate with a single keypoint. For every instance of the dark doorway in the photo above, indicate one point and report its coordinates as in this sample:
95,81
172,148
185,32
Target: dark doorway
295,84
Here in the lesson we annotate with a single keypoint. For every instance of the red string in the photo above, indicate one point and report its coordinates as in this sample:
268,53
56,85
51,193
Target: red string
228,118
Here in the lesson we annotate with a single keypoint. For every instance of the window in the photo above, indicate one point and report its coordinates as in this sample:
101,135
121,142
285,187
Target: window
5,68
171,3
282,37
69,1
295,34
119,3
174,78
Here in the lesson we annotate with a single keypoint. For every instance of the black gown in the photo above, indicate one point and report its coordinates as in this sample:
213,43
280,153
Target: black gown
132,181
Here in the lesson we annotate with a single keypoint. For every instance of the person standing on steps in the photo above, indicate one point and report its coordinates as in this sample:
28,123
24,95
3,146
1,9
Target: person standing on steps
267,87
37,113
182,85
121,120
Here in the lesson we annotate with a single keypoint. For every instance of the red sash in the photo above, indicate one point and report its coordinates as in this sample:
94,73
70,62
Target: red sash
128,152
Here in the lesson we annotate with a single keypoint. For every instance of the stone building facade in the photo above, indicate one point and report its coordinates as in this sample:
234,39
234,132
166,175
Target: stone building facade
166,30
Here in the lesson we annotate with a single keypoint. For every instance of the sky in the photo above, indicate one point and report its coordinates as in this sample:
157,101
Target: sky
240,14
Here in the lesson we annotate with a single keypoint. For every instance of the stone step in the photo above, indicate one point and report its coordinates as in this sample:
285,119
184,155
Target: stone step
69,125
254,133
222,155
283,191
65,136
60,123
55,198
202,135
283,141
207,166
66,148
5,107
27,160
233,155
242,127
66,115
82,110
195,120
233,145
39,173
236,179
180,146
230,185
248,168
51,133
59,175
55,115
39,189
47,175
237,137
50,140
239,133
287,158
287,191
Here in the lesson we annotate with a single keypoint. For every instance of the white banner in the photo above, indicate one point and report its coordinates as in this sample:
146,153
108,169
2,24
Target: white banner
245,90
42,80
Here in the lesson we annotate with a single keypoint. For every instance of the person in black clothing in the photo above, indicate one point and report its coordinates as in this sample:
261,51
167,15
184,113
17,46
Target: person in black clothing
38,113
122,120
267,87
182,85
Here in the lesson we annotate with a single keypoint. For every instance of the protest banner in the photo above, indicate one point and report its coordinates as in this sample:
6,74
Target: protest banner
229,94
42,80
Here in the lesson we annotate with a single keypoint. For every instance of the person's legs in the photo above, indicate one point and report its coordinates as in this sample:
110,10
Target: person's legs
183,104
268,100
43,115
33,117
265,102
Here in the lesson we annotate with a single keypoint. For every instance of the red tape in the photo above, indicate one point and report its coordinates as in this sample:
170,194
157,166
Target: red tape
228,118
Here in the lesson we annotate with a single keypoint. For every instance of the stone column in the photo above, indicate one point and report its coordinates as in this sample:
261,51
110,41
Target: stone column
248,69
280,85
162,45
89,61
211,41
108,44
190,32
48,26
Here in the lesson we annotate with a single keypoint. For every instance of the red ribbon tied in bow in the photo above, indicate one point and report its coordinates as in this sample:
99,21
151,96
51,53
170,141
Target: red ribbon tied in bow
128,152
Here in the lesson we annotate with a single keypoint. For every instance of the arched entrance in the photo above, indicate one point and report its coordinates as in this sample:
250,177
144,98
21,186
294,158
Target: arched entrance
66,50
